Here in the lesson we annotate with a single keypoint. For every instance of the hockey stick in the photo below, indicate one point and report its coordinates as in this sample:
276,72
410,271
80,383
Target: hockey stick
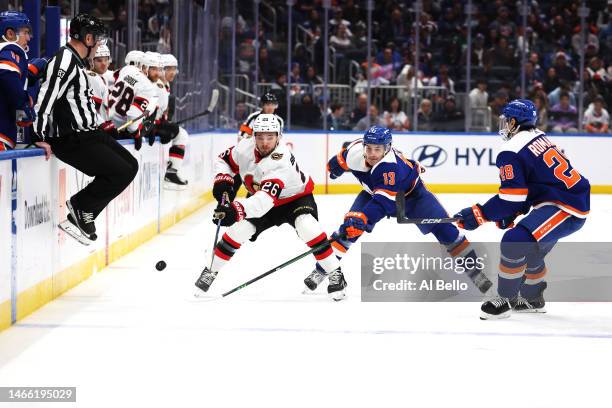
224,199
214,98
400,207
271,271
129,122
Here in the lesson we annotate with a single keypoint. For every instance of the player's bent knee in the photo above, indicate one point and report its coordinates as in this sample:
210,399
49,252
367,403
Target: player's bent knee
307,227
182,138
241,231
517,242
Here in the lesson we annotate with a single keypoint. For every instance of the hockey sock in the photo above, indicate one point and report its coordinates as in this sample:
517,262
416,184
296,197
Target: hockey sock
230,243
309,230
517,243
177,153
534,282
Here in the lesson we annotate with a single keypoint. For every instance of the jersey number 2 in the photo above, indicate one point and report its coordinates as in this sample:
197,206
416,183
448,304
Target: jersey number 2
553,158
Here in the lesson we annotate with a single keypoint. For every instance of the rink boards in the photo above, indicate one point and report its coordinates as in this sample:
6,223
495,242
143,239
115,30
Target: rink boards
38,262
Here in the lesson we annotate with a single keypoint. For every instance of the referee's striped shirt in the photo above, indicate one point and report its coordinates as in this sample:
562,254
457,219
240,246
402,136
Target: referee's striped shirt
65,104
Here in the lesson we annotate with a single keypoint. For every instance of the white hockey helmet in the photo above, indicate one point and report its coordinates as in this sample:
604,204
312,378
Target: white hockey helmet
169,60
133,57
152,59
103,51
267,122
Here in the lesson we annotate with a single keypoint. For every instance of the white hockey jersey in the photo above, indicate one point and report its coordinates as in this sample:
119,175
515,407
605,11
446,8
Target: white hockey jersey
100,94
273,180
131,95
163,96
109,77
246,129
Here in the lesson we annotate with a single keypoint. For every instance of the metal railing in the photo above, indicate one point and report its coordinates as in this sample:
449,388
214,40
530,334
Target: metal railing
273,22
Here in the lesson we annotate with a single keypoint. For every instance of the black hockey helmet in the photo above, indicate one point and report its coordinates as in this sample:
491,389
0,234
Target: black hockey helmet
269,97
84,24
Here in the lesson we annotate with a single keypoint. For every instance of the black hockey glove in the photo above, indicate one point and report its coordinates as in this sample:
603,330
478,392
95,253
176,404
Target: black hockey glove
224,183
229,214
137,140
167,131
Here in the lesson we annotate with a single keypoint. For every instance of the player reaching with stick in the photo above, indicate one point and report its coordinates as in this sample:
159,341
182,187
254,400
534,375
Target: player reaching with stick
281,193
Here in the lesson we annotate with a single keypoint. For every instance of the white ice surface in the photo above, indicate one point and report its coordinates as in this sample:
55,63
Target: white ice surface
134,337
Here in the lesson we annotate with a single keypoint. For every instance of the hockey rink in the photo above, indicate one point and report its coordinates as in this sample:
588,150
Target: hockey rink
132,336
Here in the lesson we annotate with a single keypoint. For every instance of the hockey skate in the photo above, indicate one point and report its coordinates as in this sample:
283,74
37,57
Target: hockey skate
313,280
535,305
206,279
496,308
79,225
337,285
172,181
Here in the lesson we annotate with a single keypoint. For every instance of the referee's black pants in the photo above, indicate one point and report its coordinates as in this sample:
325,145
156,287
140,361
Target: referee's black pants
100,156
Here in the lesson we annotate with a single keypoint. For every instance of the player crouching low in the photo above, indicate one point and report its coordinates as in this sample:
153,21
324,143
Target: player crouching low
533,173
384,172
281,193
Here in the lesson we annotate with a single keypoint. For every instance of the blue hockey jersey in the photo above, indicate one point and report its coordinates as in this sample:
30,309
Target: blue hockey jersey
392,174
535,172
13,77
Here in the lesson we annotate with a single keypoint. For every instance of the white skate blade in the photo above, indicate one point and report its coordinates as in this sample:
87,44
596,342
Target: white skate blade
486,316
338,296
202,296
70,229
540,310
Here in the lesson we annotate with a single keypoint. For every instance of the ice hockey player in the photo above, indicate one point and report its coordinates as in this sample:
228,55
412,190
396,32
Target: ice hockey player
16,106
282,193
132,95
97,80
384,172
536,178
164,126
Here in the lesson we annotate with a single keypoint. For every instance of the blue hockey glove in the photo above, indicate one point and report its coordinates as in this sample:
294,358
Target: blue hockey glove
472,217
355,224
337,165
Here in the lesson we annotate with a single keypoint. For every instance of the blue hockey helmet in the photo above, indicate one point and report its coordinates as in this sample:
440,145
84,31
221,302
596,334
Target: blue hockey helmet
517,113
13,20
378,135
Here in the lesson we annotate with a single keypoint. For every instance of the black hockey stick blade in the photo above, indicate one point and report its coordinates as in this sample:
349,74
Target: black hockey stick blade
214,98
400,208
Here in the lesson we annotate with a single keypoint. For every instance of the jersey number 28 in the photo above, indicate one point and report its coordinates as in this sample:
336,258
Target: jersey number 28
552,157
123,95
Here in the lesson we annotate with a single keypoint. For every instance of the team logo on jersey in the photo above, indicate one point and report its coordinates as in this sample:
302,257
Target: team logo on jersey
276,156
430,155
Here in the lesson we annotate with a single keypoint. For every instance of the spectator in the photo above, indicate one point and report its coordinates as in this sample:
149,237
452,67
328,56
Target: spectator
541,105
449,25
103,11
360,110
307,114
503,24
296,74
395,118
479,97
395,30
479,54
311,77
501,53
531,75
442,79
564,116
596,117
375,119
409,81
241,114
551,82
497,104
589,39
279,89
450,118
341,41
554,96
338,20
390,63
596,69
266,66
425,116
564,70
335,119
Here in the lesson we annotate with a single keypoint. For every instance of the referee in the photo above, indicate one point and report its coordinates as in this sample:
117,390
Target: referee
67,121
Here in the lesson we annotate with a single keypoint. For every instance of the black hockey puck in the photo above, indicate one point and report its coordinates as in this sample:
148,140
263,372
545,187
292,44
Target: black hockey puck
160,266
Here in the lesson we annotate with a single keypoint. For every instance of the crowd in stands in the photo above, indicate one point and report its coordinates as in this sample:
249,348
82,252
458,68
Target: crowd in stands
551,41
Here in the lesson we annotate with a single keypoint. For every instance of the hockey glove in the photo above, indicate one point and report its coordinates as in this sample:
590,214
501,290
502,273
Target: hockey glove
167,131
137,140
472,217
229,214
337,165
224,183
507,222
27,115
36,70
355,223
109,127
